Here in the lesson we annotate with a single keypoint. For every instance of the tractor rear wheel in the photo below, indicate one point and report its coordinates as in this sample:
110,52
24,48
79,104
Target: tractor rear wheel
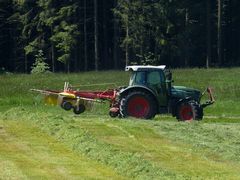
189,110
139,105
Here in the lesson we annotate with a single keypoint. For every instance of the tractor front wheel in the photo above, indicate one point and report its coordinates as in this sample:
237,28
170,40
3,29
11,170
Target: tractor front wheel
189,110
138,105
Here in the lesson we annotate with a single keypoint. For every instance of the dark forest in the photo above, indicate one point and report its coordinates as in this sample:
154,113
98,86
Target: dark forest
84,35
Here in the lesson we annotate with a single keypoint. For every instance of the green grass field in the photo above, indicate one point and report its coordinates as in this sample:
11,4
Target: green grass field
46,142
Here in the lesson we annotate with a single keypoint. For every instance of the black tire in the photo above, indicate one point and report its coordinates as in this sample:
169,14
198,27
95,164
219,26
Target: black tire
113,114
80,109
66,105
139,105
189,110
198,111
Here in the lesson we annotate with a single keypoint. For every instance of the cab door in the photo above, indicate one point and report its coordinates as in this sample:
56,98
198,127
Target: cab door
156,82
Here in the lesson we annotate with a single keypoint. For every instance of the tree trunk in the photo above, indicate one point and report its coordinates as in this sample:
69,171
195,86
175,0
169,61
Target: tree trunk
76,49
105,60
115,39
68,66
209,36
85,37
76,58
238,52
126,46
52,52
186,46
53,57
219,26
26,64
96,34
230,34
14,49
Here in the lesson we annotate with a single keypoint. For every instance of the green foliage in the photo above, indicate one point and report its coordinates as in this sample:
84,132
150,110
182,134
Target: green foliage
40,66
41,17
161,28
64,38
145,23
31,47
147,59
176,32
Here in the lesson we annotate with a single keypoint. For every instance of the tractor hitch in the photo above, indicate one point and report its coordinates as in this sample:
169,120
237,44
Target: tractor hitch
211,98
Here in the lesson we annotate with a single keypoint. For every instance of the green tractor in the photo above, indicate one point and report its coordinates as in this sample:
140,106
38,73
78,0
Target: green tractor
151,92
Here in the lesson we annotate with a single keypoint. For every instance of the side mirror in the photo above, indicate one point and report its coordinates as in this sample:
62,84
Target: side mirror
170,76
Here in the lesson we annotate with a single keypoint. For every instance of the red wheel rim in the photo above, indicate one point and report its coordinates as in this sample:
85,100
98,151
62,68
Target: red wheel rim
186,113
138,107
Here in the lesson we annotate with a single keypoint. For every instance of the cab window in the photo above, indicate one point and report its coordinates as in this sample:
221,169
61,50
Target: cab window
154,77
140,78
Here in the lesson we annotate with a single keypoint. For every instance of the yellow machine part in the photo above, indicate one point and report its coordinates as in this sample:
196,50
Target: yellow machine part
57,99
51,99
67,95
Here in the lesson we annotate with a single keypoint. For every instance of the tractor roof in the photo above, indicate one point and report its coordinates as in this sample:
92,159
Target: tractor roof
143,68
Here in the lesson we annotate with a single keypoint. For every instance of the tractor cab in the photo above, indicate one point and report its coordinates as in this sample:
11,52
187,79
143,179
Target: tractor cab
149,75
155,79
145,75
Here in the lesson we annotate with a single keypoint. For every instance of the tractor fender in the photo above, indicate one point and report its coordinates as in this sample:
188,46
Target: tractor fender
125,92
183,100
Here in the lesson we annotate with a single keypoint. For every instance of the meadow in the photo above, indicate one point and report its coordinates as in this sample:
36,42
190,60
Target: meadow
46,142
